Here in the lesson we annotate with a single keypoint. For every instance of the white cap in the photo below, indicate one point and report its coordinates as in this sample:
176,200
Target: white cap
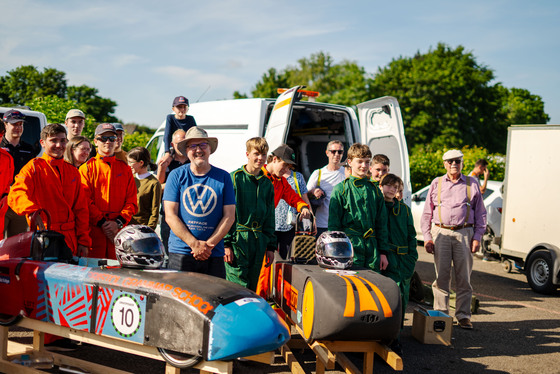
452,154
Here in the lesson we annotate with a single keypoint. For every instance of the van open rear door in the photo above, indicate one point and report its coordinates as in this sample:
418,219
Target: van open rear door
279,121
383,131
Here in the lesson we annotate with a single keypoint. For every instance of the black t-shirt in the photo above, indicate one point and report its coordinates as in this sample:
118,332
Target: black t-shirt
21,153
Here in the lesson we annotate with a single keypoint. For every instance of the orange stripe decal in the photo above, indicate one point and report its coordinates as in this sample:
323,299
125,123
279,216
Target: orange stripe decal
387,312
350,308
366,300
282,103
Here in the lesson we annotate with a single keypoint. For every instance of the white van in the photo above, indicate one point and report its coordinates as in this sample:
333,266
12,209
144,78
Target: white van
34,123
305,126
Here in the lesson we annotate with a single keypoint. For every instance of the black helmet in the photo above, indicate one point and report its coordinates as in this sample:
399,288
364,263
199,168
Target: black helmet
138,246
334,250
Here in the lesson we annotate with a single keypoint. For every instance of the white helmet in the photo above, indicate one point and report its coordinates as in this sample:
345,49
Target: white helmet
334,250
138,246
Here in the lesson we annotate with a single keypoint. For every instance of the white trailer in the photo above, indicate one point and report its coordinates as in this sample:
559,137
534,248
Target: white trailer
531,206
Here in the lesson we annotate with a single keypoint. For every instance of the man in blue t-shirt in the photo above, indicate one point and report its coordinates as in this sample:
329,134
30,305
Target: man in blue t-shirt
199,203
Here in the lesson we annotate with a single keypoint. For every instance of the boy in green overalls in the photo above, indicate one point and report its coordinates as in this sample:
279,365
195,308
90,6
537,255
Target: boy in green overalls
402,253
252,234
357,208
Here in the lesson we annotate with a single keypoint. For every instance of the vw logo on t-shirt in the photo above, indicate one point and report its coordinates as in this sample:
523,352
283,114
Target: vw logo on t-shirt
199,200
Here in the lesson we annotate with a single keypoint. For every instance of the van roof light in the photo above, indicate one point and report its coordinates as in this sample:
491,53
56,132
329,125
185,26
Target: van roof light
303,92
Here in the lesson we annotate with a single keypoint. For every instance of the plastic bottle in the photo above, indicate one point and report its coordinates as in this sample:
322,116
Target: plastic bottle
39,362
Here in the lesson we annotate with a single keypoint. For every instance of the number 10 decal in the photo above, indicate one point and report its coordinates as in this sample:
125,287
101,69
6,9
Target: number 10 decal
126,315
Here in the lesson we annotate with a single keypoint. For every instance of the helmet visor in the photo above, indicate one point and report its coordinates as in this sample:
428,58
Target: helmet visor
144,246
338,249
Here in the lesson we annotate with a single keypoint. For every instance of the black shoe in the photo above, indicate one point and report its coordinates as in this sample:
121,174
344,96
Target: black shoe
62,345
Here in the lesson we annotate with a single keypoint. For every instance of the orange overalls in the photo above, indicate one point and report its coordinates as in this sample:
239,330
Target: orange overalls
6,178
54,185
111,191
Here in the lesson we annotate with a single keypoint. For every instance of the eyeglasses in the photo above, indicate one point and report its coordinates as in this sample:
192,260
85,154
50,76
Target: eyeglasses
105,139
335,151
83,149
455,161
202,146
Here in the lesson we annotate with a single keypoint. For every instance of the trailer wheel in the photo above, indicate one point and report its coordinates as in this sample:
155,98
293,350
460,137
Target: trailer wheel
178,359
507,265
539,272
7,320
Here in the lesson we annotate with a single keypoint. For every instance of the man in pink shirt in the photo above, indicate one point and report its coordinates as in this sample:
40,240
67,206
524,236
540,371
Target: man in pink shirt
455,207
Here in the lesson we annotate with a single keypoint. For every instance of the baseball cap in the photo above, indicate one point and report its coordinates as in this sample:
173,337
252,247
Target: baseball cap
105,127
286,153
452,154
75,113
180,100
13,116
118,126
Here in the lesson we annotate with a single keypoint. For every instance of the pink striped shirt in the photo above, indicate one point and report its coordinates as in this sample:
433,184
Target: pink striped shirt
454,204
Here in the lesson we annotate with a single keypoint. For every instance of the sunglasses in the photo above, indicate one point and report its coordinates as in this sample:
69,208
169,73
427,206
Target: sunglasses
202,146
335,151
105,139
455,161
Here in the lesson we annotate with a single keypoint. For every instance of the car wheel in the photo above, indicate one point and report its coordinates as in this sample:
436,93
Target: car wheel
7,320
539,272
487,238
179,360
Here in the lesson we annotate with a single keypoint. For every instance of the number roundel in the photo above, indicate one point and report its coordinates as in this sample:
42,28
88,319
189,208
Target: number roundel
126,315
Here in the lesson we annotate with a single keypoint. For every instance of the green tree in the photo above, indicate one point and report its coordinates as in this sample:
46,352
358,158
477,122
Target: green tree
521,107
25,83
343,83
426,164
93,104
55,110
446,97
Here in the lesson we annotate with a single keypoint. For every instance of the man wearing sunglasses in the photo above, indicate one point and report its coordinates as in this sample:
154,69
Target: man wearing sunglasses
199,203
322,181
110,190
455,207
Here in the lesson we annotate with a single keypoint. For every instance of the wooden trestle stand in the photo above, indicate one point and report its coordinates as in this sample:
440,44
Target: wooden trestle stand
9,349
328,353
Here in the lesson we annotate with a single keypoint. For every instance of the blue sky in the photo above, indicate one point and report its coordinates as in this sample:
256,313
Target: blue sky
144,53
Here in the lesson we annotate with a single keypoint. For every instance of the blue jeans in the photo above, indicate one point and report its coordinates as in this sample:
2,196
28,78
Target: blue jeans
212,266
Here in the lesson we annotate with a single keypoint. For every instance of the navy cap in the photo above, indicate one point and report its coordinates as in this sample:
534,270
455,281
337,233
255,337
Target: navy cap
105,127
118,126
180,100
13,116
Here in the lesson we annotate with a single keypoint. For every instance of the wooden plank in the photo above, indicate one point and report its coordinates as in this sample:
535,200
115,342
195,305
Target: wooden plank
293,364
391,358
172,369
368,362
348,366
219,367
38,341
4,331
8,367
263,358
324,355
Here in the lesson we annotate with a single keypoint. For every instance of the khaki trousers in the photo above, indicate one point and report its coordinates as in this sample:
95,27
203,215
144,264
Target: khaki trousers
453,246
